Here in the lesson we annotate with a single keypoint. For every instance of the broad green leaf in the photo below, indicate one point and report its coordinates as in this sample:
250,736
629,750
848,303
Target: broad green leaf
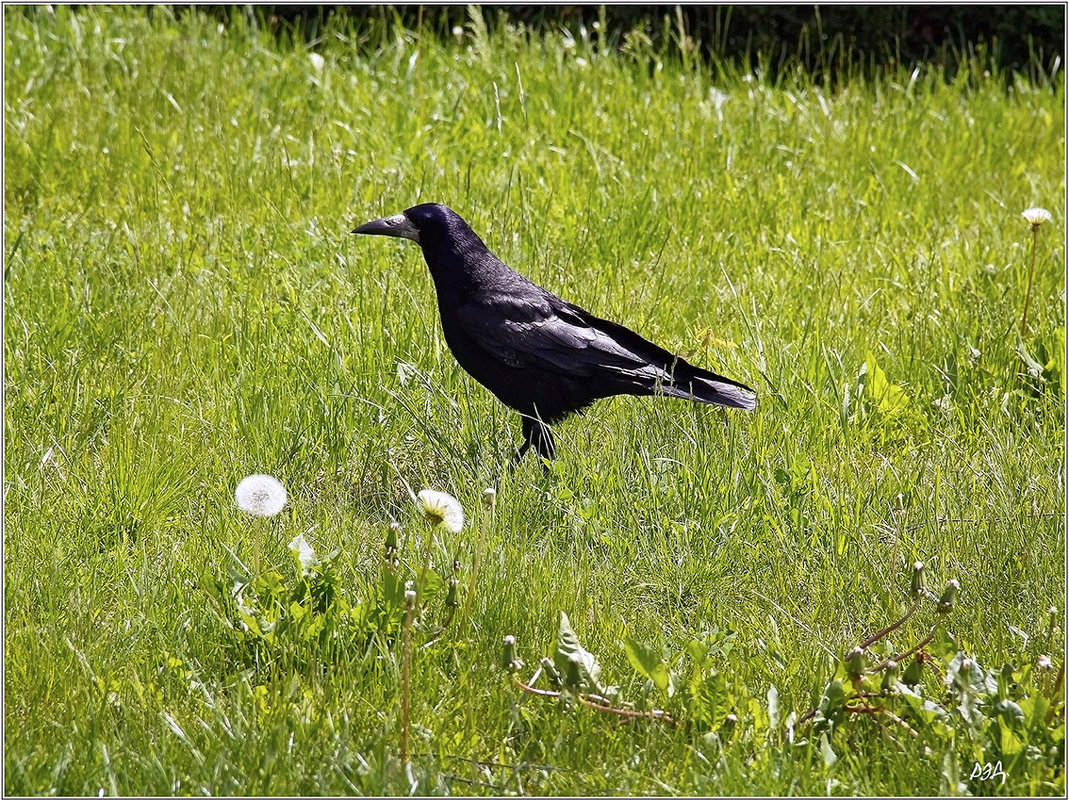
833,700
1034,708
1010,744
924,712
1011,714
830,757
889,398
569,651
709,698
649,663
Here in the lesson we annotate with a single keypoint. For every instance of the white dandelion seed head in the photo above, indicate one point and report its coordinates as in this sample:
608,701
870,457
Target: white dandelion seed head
1044,663
441,509
317,61
489,497
1036,216
260,495
305,553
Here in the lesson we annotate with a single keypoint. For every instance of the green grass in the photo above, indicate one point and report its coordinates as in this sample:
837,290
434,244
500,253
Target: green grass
183,305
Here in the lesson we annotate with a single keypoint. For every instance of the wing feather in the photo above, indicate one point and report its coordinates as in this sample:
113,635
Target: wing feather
533,332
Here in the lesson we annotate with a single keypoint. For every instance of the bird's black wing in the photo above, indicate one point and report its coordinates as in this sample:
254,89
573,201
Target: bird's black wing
543,331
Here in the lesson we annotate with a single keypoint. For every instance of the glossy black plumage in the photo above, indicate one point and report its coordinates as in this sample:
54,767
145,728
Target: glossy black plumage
540,355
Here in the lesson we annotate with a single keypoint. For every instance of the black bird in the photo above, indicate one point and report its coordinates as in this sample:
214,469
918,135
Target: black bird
539,354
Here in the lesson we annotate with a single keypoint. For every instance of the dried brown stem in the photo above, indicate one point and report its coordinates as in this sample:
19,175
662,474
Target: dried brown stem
884,632
601,704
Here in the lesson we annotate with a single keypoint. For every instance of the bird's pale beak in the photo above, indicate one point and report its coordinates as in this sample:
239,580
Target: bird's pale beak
398,225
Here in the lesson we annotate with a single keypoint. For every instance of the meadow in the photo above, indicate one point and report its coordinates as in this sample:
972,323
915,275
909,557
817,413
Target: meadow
184,306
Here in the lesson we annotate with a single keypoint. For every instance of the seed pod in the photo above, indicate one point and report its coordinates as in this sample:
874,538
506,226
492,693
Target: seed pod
855,663
508,655
946,600
917,583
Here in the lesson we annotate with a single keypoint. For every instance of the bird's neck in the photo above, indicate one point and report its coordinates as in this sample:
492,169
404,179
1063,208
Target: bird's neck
460,265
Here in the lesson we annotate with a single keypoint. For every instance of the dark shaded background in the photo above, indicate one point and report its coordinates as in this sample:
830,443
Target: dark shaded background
824,40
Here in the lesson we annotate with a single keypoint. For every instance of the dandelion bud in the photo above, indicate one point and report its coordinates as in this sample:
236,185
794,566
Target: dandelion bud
508,655
410,600
917,583
729,725
890,676
391,536
551,672
855,663
946,601
489,498
913,673
451,594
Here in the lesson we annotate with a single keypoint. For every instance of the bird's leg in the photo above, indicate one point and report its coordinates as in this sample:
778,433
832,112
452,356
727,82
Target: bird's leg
538,434
544,443
518,455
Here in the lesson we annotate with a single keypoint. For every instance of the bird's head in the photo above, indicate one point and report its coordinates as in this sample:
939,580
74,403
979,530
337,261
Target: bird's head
427,222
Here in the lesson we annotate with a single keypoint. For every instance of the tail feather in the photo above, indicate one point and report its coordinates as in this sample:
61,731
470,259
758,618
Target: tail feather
694,383
620,351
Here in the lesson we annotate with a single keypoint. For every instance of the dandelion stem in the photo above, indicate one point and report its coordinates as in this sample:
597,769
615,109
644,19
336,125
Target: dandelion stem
889,629
905,654
257,531
427,546
410,609
1031,275
600,704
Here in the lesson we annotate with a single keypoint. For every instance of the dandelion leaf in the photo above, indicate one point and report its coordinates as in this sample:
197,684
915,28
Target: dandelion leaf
710,701
648,663
826,751
889,398
570,658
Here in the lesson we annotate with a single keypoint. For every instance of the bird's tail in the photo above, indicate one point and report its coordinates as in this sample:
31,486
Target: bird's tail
694,383
639,367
